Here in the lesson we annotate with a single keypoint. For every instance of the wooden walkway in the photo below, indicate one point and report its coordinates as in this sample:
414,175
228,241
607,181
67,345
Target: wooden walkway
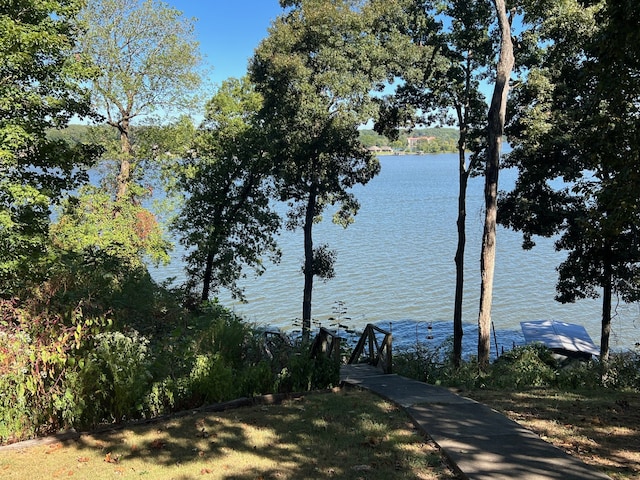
481,443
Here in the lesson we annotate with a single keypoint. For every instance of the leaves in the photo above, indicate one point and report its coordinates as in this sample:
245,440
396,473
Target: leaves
40,91
109,458
577,159
227,221
148,62
89,222
147,55
315,72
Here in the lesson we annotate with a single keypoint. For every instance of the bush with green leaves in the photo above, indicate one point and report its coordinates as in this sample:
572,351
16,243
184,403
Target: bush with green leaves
38,353
16,395
114,377
528,366
71,371
226,335
212,379
303,373
523,367
623,371
423,362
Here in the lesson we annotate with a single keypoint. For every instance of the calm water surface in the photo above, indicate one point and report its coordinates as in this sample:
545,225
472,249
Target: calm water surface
395,266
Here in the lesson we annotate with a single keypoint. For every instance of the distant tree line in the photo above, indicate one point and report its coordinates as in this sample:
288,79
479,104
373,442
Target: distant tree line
433,140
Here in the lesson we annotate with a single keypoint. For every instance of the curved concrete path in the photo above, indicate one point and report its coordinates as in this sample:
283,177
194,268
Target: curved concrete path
480,442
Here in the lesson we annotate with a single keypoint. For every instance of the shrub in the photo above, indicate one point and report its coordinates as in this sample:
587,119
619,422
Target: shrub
303,373
212,380
114,377
418,362
623,371
68,371
37,359
15,398
257,379
226,335
169,395
528,366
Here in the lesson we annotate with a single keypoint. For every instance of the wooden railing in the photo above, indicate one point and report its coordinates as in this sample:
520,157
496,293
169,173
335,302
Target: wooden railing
326,342
378,353
274,341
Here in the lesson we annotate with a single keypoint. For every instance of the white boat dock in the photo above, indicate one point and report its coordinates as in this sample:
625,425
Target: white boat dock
564,338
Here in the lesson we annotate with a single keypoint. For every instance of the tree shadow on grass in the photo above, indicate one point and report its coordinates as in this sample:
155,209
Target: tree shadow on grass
347,434
601,428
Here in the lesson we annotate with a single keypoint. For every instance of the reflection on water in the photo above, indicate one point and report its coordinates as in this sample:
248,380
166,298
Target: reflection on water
395,264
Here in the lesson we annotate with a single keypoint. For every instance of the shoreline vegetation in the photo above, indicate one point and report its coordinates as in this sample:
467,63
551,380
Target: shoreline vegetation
420,141
168,375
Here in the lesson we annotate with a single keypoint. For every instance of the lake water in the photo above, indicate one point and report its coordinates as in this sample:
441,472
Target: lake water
395,266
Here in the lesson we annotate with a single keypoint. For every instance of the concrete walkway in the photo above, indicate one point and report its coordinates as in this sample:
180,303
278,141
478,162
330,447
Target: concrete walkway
480,442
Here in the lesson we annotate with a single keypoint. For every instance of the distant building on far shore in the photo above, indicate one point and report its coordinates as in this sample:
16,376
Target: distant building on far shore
383,149
414,141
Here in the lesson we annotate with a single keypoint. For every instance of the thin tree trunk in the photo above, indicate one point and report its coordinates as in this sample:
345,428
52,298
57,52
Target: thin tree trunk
308,264
496,119
606,316
206,280
458,331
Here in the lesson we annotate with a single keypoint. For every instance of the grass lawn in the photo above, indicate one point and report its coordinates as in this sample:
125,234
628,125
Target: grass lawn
600,427
349,434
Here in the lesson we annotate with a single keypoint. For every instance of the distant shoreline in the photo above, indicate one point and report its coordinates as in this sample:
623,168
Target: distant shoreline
419,154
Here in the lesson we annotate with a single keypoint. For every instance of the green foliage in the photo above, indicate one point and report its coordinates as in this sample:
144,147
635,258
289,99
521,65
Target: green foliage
623,371
437,140
418,362
258,379
226,335
169,395
114,378
528,366
40,90
15,383
324,260
227,223
93,284
303,373
212,379
574,120
315,72
148,63
122,230
146,53
522,368
447,51
60,371
38,353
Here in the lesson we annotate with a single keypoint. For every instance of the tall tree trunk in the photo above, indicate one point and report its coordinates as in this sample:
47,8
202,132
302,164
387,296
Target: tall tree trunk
308,264
606,316
206,279
458,331
124,176
496,119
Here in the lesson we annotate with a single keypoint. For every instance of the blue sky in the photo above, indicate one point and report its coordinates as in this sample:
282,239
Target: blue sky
229,31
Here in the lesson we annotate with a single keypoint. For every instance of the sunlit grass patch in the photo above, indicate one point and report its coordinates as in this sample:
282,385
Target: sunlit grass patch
348,434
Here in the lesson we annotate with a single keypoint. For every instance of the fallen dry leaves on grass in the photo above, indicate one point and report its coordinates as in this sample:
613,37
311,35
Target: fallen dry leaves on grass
348,434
